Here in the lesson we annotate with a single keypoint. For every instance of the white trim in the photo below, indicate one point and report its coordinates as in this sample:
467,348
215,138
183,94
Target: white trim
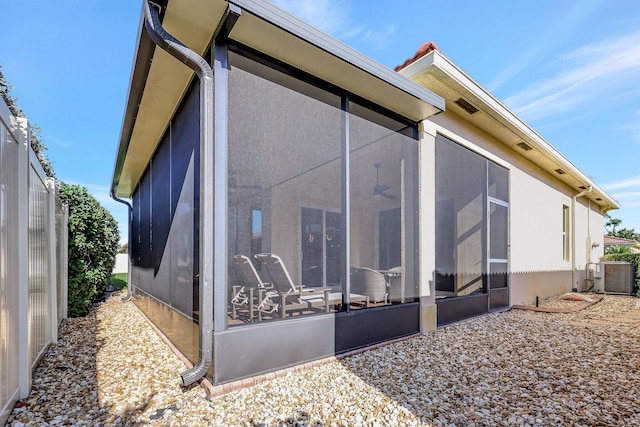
280,18
454,137
448,73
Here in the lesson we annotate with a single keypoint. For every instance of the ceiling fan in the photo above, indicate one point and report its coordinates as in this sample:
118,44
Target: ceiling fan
380,190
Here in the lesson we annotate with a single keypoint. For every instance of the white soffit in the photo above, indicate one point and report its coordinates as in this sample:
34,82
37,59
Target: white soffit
266,28
436,72
192,22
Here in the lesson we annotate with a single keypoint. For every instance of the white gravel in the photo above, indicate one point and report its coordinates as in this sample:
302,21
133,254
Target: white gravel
515,368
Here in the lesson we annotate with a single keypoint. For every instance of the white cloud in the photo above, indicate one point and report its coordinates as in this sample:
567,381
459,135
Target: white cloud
334,17
628,199
329,16
566,24
604,70
628,195
627,192
102,194
631,182
633,127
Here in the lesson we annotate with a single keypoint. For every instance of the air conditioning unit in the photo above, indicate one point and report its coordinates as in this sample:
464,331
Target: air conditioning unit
614,277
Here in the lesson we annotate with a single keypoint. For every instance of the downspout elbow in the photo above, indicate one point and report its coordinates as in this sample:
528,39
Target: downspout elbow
583,193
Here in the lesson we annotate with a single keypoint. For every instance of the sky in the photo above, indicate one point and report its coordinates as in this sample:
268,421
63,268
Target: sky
570,69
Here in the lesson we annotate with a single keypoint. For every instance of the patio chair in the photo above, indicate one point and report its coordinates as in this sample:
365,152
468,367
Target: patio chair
396,286
371,283
244,295
292,297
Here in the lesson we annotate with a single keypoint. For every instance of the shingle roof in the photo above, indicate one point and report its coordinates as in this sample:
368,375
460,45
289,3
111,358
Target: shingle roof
422,51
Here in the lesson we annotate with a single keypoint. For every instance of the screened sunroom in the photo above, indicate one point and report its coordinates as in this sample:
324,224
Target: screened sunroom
314,248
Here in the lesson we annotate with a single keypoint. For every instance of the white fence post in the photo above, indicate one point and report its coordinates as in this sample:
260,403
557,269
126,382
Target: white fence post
9,320
63,263
52,242
22,254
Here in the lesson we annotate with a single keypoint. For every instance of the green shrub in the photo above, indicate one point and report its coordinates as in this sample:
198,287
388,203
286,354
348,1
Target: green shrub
93,243
627,257
617,250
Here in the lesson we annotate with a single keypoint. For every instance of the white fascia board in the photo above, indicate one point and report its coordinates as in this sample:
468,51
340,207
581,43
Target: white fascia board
126,173
278,17
435,60
126,121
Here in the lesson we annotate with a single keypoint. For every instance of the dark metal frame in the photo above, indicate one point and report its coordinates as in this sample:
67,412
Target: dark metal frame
305,77
253,350
256,348
452,309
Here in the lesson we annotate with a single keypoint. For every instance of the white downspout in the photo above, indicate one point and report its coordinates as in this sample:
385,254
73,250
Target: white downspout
573,234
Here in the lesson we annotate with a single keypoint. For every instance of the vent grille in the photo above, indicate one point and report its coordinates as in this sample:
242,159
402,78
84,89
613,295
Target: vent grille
466,106
560,171
525,146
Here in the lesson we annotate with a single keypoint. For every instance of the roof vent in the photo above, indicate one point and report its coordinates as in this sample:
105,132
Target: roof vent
466,106
560,171
525,146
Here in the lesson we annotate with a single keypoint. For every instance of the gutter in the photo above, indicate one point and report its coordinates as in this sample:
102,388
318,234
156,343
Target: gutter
573,233
446,71
130,210
198,64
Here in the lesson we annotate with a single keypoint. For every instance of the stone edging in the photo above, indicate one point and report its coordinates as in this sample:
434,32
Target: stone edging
572,309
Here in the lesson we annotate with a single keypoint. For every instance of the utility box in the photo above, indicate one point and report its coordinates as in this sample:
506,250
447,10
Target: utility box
614,277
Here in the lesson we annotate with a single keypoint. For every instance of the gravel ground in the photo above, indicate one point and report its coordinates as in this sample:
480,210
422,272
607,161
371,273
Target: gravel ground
513,368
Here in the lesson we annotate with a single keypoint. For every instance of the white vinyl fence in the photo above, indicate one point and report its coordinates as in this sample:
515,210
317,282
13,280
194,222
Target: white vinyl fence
33,261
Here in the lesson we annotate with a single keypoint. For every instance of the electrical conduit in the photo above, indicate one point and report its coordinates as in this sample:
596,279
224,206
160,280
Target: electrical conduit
573,235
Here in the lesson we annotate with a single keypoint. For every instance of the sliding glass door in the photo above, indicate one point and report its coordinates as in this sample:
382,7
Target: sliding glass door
498,245
321,234
472,233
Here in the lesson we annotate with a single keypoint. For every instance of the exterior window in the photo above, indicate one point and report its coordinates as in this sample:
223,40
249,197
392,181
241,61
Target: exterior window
566,255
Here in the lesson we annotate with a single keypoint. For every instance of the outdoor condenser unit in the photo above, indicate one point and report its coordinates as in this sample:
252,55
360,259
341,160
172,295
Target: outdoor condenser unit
614,278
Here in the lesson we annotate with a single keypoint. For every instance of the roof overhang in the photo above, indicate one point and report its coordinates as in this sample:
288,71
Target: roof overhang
158,81
437,73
